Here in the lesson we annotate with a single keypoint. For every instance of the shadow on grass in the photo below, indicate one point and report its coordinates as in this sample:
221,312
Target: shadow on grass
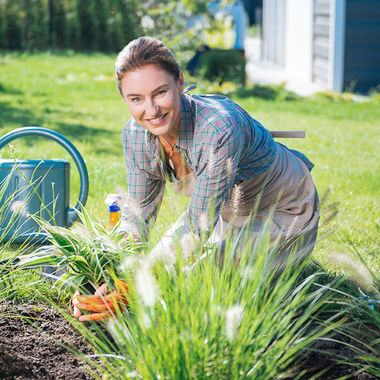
102,140
20,118
266,92
10,115
81,131
8,90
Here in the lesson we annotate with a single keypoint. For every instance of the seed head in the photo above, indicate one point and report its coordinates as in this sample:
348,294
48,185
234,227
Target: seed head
236,199
189,244
211,161
204,223
128,205
116,330
166,255
234,315
292,228
128,263
353,268
19,208
146,285
229,169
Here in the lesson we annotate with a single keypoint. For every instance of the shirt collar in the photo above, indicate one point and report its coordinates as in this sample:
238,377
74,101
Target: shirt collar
186,127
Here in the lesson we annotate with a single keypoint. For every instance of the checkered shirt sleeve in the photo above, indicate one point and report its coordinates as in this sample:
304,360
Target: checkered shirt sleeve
145,179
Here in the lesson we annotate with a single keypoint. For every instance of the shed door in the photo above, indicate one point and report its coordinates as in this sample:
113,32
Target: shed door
274,15
321,40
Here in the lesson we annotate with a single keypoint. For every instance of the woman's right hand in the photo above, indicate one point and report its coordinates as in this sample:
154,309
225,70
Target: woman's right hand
102,304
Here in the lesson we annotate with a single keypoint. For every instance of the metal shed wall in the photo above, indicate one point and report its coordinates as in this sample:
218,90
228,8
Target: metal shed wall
362,45
321,41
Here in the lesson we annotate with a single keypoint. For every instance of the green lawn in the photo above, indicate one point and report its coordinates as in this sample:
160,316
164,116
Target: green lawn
76,95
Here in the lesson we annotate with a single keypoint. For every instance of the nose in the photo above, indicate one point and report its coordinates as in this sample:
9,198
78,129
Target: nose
152,108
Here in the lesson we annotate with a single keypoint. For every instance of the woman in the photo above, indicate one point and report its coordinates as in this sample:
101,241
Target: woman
212,150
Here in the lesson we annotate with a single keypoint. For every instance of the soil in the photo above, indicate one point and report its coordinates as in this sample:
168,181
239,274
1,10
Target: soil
323,361
29,348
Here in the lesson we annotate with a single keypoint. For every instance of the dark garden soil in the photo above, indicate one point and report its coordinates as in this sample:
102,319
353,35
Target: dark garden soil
323,361
28,344
29,350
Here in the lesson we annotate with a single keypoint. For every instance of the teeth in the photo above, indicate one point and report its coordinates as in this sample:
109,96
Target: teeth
158,118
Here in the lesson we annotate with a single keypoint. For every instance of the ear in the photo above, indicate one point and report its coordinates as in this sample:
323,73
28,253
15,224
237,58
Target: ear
181,82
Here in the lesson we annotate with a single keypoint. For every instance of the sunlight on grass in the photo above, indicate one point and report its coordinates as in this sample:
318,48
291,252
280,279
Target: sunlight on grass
76,95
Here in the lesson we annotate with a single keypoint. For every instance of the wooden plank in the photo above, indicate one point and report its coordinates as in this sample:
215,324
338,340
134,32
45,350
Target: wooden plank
288,134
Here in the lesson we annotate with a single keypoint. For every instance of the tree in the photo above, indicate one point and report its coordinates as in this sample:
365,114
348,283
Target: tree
87,24
34,24
101,15
2,25
13,28
57,22
130,21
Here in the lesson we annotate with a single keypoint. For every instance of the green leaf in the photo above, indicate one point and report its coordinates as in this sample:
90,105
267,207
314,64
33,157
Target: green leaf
38,261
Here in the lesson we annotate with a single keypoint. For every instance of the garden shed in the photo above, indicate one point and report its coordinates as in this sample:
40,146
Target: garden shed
335,43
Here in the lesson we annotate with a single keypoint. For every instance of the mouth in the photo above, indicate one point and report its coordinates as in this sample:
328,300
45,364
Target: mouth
158,119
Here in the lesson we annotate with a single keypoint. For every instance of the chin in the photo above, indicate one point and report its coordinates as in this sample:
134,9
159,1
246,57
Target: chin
159,131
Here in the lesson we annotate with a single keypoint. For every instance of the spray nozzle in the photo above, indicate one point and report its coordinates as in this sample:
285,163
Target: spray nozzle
112,201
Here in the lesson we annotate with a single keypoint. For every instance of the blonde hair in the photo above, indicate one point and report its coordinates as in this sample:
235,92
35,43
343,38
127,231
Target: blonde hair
144,51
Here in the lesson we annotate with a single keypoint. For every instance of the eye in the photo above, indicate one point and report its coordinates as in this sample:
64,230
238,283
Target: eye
135,100
161,92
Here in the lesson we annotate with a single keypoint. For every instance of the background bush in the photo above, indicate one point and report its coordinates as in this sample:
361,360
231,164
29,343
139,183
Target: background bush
222,65
87,25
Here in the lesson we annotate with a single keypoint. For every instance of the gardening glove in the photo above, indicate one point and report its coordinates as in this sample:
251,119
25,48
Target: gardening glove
103,304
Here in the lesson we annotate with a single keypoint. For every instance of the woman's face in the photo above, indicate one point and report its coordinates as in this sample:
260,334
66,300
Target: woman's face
153,97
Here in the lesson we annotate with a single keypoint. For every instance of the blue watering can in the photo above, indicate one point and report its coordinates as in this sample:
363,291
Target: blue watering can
40,188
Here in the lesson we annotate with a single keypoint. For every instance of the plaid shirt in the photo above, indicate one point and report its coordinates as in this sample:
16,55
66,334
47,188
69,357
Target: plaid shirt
218,140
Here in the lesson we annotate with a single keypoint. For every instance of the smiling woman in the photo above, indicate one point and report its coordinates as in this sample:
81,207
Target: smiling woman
212,150
209,148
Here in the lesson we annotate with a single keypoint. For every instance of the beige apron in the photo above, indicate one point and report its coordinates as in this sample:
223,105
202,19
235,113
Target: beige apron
285,193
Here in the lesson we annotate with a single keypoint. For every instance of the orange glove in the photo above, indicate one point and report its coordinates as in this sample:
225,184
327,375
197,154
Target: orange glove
102,304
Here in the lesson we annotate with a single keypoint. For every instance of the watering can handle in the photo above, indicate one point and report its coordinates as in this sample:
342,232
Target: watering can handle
62,140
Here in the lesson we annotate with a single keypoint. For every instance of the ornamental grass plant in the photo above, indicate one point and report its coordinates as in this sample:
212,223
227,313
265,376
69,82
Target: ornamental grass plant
197,311
363,308
197,316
